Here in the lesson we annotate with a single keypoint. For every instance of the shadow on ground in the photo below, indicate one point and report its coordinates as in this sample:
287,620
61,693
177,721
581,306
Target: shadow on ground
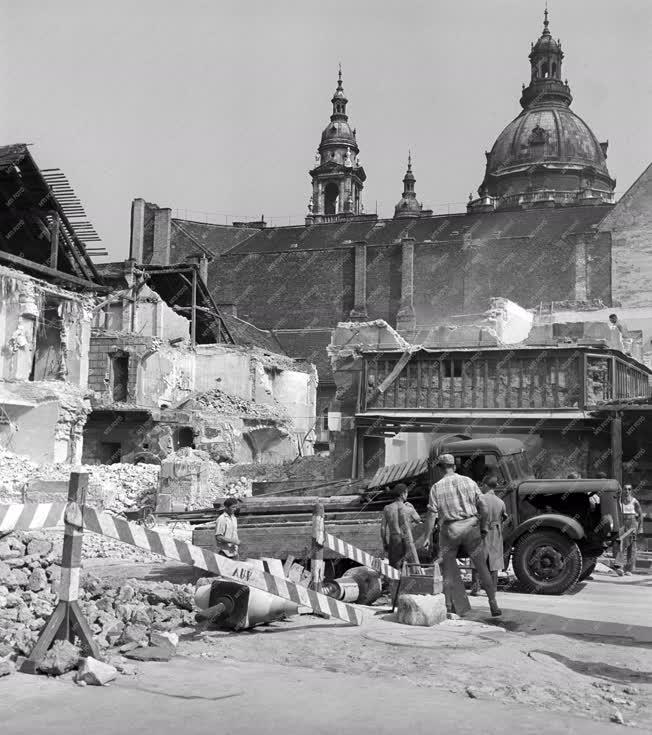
537,623
617,674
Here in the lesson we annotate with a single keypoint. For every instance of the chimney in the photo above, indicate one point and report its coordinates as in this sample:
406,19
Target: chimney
162,226
137,230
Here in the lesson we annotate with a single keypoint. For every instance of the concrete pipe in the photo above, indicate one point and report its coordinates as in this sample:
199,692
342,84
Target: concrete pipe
231,605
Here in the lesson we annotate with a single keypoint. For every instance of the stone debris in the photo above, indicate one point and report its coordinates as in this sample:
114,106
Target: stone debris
115,487
60,659
150,653
424,610
95,673
230,405
137,612
617,717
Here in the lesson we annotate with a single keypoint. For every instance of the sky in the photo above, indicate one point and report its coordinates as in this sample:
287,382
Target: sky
215,109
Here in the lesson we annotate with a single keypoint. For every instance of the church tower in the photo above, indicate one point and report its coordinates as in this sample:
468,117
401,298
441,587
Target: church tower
408,205
337,178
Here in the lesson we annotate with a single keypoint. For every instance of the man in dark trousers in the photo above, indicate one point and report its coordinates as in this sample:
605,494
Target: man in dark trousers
391,531
493,541
457,502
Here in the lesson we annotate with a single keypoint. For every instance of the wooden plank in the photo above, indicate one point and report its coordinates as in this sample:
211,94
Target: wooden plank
441,383
396,382
417,398
496,385
45,270
521,370
485,383
452,385
429,383
508,389
463,384
474,383
54,241
532,372
543,380
555,382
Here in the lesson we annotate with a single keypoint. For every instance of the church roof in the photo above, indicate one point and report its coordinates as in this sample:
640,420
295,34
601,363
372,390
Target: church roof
548,225
546,133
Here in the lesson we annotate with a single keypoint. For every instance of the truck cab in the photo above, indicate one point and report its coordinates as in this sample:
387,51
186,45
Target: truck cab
556,528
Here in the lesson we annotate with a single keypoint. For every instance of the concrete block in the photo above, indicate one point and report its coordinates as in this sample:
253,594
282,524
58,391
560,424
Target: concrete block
426,610
94,672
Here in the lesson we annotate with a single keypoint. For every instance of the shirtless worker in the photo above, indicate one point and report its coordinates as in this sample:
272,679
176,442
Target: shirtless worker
391,531
459,505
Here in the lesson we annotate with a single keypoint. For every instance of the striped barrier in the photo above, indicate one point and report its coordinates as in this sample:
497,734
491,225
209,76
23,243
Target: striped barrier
31,516
349,551
116,528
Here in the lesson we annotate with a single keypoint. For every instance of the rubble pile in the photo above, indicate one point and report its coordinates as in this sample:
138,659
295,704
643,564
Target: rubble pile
118,487
230,405
135,614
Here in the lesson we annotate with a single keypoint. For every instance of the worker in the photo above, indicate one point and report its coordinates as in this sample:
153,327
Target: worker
458,504
391,531
493,541
632,525
617,325
226,530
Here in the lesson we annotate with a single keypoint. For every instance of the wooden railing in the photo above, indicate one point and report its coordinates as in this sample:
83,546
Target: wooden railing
548,379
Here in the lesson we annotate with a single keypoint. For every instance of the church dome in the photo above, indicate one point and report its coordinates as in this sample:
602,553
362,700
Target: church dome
338,132
548,155
549,133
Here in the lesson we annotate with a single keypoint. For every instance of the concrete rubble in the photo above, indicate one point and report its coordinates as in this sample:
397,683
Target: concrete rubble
125,616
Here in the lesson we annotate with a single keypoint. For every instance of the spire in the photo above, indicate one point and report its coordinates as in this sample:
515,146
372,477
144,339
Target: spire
408,179
545,71
408,206
546,32
339,99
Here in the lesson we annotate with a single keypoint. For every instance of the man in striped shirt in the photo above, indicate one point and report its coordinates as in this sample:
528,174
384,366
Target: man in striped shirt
457,502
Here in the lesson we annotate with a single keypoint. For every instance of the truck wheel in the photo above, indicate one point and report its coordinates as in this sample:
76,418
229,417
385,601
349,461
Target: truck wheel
547,562
588,567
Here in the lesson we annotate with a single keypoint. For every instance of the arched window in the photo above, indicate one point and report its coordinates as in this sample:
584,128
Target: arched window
545,70
554,69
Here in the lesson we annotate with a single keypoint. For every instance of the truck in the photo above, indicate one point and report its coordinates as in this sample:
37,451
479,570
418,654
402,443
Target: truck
553,535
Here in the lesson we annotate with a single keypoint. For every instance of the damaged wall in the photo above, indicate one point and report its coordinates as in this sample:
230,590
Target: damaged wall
43,421
239,404
145,314
44,330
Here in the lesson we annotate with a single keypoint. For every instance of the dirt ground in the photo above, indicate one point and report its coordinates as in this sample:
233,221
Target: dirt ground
590,660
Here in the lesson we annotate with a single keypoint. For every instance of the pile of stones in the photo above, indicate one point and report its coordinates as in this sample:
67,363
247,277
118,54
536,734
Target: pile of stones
137,619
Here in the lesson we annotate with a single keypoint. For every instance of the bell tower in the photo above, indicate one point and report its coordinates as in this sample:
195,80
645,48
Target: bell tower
337,177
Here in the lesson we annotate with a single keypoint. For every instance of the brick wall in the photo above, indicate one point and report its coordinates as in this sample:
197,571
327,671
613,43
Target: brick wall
101,350
630,223
383,282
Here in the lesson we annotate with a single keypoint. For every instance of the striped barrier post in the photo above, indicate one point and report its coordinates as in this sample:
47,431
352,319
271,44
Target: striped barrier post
317,550
67,621
31,516
347,550
109,525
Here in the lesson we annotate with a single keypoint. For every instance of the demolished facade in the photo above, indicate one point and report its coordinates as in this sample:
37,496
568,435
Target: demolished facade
127,363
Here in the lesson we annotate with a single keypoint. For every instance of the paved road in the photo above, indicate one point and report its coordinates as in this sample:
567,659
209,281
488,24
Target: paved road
606,606
203,698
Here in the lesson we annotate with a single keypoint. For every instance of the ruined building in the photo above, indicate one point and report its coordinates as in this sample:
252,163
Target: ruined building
48,284
127,362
